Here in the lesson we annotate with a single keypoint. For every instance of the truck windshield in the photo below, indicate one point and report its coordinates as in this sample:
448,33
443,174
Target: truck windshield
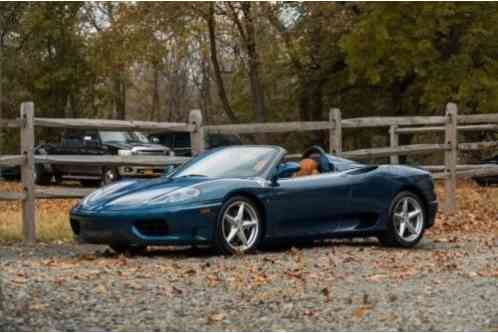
122,137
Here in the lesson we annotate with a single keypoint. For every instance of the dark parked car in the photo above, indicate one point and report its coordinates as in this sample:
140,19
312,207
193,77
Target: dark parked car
488,180
93,142
236,198
10,173
180,141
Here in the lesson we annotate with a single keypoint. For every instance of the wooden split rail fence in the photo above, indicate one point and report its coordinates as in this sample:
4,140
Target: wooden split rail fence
450,124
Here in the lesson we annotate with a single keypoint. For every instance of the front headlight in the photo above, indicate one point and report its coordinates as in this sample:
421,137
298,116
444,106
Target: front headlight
124,152
179,195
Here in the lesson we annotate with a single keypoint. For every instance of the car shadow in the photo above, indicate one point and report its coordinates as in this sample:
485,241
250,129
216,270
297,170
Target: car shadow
274,248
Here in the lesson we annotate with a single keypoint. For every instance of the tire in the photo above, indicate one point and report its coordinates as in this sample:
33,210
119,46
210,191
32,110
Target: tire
413,228
131,249
483,182
58,179
90,183
238,233
109,175
40,177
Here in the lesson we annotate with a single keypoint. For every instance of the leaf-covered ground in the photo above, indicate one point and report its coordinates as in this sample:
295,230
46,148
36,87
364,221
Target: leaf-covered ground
449,282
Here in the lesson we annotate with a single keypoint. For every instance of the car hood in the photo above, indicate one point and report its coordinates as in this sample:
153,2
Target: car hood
134,193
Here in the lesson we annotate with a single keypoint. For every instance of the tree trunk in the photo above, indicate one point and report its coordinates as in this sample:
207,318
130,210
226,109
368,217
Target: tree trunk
258,98
119,97
216,66
205,92
155,95
1,93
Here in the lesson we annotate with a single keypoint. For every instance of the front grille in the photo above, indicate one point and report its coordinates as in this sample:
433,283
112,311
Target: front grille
156,227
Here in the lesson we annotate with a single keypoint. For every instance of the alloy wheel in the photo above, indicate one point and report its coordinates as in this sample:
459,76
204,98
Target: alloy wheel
408,219
240,226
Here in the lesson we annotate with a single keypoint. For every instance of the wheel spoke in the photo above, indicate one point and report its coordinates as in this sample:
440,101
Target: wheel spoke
405,206
411,227
402,226
414,213
242,236
399,216
240,213
231,220
231,235
248,224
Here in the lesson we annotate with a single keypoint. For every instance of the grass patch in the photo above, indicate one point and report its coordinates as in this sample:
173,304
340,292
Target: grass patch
50,226
52,218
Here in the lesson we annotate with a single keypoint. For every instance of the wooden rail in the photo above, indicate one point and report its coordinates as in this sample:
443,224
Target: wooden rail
485,127
11,160
110,160
401,150
269,127
12,196
440,168
477,145
10,123
106,124
62,193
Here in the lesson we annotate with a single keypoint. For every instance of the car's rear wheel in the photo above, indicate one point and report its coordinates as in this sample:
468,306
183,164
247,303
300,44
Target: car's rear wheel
239,228
131,249
406,222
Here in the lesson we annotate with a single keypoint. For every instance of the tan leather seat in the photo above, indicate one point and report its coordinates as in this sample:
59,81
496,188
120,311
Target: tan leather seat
308,167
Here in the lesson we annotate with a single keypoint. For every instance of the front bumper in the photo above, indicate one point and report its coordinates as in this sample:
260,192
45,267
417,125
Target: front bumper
129,171
176,226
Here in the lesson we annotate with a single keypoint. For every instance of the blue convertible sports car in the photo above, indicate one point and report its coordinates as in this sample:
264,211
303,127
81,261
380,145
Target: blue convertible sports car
239,197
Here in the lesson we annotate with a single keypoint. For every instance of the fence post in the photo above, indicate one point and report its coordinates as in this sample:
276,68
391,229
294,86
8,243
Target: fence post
27,171
197,135
450,157
335,132
393,143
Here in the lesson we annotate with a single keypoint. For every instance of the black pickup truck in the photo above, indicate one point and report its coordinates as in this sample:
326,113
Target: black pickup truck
96,142
180,143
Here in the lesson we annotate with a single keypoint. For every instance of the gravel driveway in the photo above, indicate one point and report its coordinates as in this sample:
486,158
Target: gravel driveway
445,284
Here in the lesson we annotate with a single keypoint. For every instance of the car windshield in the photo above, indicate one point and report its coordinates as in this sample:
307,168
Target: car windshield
123,137
231,162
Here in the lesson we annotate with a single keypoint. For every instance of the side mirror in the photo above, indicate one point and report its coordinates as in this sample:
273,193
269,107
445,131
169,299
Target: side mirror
154,139
285,170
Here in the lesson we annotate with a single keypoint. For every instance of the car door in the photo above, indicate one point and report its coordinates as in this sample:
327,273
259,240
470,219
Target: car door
371,195
81,143
311,205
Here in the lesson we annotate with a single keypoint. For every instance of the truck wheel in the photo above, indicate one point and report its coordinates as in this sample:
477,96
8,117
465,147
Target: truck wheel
90,182
40,177
109,175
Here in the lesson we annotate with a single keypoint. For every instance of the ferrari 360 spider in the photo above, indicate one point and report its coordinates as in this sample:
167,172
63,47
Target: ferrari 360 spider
240,197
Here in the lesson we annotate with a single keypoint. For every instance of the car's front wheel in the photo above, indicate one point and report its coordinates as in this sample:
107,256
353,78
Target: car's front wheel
239,227
406,222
